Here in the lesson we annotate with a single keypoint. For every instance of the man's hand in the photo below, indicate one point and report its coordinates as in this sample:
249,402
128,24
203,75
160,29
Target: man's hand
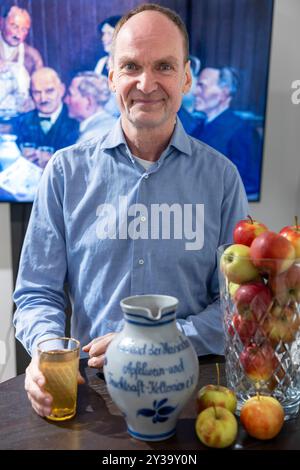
97,349
41,401
35,381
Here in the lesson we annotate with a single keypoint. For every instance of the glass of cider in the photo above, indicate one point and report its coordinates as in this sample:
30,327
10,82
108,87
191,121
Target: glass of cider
59,362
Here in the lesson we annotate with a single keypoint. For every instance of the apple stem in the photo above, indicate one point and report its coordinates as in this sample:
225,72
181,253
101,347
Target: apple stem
296,223
215,409
250,218
218,374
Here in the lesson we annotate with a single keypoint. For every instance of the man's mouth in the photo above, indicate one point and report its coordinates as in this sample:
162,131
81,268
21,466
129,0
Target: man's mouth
147,102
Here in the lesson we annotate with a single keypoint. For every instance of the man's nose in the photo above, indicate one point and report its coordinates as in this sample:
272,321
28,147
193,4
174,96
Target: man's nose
146,82
43,96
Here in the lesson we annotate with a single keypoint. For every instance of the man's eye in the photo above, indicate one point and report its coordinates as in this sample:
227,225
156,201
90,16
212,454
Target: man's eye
165,67
130,67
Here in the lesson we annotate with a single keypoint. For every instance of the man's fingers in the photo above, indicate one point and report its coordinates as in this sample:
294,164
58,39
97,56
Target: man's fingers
33,372
96,362
99,347
39,395
40,410
88,346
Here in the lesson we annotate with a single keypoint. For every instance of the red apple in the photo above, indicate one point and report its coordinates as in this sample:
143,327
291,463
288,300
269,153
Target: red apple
286,286
272,253
281,324
292,233
216,395
253,298
262,417
245,326
258,361
246,230
236,264
216,427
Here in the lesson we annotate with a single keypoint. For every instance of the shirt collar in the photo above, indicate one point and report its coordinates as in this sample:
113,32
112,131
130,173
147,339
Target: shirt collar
53,117
179,139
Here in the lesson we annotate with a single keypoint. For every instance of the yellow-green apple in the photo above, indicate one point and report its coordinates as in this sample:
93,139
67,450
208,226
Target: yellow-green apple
245,326
272,253
286,286
292,233
262,417
232,288
216,427
246,230
236,264
216,395
281,325
253,298
259,361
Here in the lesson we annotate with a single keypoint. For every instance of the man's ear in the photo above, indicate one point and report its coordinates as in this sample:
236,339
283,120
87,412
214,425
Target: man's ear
187,78
111,80
62,89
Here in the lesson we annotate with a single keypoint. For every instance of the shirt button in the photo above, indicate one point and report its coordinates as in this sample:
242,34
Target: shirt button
146,176
143,218
141,261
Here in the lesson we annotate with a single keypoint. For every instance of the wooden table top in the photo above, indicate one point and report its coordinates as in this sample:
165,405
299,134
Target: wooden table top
99,425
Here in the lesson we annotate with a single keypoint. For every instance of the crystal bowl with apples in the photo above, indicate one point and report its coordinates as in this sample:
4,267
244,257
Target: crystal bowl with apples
259,279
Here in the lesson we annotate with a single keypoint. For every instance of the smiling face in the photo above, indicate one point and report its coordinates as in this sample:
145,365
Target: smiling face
149,73
16,26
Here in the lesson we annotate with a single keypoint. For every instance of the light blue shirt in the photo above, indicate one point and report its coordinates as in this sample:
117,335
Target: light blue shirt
111,229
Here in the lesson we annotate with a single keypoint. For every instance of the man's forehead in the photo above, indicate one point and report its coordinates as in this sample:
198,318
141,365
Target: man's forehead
147,26
209,74
45,81
150,58
19,18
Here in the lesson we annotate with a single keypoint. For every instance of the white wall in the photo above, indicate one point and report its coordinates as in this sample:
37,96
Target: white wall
280,199
7,343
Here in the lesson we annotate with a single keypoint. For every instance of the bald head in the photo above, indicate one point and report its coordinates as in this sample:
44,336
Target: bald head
16,26
47,90
155,9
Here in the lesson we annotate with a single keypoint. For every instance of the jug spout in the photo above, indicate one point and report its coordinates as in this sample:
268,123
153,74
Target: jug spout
149,306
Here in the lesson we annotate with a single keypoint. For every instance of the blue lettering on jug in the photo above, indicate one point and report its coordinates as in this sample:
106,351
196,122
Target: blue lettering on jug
141,368
154,349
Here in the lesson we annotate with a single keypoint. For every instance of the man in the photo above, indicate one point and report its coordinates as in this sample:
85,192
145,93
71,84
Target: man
223,129
85,99
48,124
16,57
109,214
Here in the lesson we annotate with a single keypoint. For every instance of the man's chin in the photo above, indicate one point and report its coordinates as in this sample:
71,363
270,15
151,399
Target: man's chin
147,120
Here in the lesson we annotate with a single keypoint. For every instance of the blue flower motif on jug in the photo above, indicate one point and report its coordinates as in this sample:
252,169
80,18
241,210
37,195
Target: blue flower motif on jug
159,413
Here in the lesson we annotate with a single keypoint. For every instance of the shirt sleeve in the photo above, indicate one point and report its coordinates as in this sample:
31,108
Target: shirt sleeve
205,329
39,293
